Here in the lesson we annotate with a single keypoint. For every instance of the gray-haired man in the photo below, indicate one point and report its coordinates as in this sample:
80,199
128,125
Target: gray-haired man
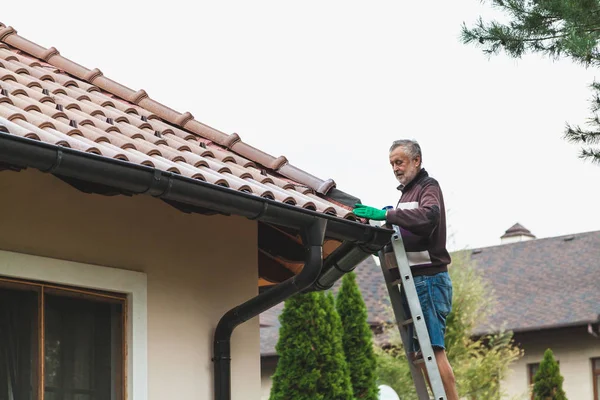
421,217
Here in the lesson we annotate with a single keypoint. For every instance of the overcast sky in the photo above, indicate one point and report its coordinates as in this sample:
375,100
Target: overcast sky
330,84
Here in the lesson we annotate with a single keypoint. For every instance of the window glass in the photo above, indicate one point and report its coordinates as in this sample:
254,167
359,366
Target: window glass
18,344
67,341
81,351
532,370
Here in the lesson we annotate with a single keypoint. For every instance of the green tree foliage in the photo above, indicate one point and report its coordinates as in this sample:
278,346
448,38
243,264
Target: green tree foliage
357,339
547,382
311,360
557,29
335,383
479,363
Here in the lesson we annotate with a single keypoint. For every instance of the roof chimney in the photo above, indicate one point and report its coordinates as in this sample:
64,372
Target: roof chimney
516,233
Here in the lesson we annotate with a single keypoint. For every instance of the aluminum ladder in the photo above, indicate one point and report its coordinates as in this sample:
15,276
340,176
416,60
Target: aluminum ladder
406,283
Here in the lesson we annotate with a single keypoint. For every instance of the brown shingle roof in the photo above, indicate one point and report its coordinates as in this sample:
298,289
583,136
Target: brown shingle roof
47,97
538,284
543,283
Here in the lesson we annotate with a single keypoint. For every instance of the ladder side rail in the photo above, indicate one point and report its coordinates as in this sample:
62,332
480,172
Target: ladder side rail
419,324
396,301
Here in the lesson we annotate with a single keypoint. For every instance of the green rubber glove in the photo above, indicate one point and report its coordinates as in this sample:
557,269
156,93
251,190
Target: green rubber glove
369,212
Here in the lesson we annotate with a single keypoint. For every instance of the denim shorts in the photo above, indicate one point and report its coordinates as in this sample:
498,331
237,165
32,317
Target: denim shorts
435,296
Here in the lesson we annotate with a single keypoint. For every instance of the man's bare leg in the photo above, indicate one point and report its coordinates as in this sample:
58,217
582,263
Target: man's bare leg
446,373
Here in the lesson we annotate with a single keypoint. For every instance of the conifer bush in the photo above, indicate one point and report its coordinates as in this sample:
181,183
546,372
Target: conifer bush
335,375
311,362
547,382
357,339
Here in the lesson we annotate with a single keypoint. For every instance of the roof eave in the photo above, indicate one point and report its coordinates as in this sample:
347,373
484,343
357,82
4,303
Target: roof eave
139,179
539,328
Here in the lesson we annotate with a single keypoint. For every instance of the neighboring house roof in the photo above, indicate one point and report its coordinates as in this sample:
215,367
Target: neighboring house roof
538,284
49,98
543,283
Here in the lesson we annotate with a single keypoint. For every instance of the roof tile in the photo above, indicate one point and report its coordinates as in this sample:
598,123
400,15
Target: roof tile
49,98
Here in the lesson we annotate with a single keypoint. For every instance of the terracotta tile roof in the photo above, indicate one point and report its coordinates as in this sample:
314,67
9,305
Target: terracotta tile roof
47,97
538,284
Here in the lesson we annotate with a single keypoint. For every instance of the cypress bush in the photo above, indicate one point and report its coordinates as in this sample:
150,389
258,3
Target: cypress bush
357,339
547,382
311,362
335,375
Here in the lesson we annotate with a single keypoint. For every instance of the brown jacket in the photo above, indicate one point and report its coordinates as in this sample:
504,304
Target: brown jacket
421,217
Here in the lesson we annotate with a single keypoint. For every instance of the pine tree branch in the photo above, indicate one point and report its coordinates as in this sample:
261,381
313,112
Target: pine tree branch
535,39
550,28
577,135
554,28
591,154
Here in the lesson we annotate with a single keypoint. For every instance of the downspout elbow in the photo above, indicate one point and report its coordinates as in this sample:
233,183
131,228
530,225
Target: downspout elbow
313,238
312,269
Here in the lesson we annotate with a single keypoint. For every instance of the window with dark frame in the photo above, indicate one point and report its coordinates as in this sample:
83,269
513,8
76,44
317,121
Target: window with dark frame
60,343
532,369
596,377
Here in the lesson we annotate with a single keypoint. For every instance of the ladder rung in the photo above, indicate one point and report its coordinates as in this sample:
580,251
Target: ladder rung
396,282
421,360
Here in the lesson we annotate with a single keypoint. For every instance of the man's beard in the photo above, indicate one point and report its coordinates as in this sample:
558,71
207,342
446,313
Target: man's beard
405,178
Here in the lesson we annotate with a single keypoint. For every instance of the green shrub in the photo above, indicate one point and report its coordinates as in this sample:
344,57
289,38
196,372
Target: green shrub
547,382
311,362
357,339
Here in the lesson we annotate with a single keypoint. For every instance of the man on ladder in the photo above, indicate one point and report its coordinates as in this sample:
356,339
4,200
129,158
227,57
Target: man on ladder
421,218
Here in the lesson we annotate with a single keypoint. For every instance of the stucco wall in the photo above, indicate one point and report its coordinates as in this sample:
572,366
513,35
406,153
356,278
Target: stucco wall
197,268
573,348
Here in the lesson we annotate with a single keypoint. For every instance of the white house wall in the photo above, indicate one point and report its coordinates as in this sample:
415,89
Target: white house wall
573,348
197,268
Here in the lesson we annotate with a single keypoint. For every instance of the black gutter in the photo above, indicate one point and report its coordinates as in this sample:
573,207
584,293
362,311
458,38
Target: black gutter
359,240
140,179
313,238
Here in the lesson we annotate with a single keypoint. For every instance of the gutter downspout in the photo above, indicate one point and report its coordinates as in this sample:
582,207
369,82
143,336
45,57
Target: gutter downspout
313,238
